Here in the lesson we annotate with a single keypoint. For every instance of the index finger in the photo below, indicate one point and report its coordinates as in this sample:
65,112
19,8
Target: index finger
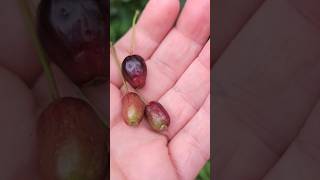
155,22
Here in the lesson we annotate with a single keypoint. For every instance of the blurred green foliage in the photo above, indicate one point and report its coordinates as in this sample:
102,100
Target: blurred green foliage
205,173
121,14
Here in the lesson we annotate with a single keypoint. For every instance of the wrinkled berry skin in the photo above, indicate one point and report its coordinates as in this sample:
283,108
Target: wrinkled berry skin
157,116
134,71
74,35
132,109
72,143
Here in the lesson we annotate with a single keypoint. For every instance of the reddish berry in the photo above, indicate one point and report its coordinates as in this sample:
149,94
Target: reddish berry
134,71
74,35
132,109
157,116
72,142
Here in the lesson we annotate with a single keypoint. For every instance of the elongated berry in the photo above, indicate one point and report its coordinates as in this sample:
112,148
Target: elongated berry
132,109
134,71
72,142
157,116
74,35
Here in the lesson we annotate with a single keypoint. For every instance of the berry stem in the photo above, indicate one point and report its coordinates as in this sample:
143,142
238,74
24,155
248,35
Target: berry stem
115,55
42,56
134,20
142,98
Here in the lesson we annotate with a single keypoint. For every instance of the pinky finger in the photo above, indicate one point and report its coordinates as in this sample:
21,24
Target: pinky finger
190,148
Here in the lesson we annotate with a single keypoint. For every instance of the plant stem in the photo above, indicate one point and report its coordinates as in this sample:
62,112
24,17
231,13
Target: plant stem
134,20
115,55
142,98
39,50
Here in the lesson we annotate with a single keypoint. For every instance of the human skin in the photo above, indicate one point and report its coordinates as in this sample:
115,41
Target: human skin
267,94
178,60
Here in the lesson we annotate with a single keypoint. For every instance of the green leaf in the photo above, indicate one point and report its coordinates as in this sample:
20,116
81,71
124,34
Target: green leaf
205,172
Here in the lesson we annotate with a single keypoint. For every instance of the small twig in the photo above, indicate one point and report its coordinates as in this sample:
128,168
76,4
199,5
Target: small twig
142,98
115,56
42,56
134,20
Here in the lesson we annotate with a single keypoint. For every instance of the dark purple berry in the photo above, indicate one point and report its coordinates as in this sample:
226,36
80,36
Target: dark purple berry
132,109
74,35
134,71
157,116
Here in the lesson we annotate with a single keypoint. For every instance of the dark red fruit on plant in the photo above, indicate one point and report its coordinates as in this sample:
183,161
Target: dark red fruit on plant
134,71
157,116
74,35
132,109
72,142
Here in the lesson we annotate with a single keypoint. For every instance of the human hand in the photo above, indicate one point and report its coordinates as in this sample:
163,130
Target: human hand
266,94
24,94
178,62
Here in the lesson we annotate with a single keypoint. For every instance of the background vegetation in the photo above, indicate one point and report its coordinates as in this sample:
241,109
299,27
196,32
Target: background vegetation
121,12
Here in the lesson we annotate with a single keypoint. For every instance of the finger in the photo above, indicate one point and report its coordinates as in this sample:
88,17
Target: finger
115,105
187,96
156,20
235,15
179,49
258,92
17,52
194,21
190,148
17,128
301,160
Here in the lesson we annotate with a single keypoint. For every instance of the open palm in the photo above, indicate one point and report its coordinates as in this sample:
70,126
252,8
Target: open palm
267,92
178,62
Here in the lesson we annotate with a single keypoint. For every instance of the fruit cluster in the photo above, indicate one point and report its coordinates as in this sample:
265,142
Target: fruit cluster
134,71
71,137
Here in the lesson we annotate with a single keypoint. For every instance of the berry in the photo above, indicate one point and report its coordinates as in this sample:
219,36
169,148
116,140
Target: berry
157,116
74,35
132,109
72,142
134,71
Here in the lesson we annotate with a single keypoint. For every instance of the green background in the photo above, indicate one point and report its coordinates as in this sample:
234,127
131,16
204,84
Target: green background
121,13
